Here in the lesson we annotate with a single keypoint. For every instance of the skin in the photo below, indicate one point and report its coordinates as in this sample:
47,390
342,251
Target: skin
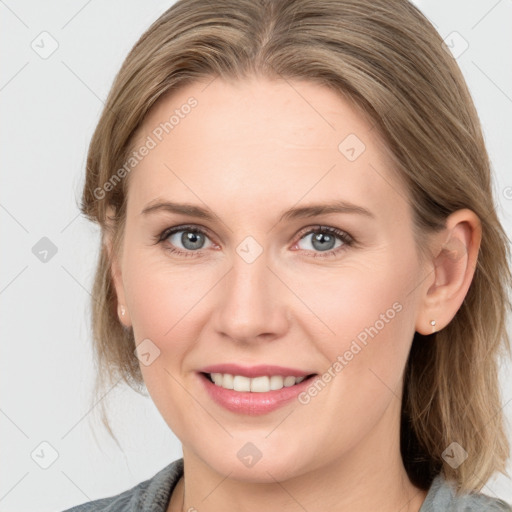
248,151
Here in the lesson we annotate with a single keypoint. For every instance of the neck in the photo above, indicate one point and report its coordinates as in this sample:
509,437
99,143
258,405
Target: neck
368,477
298,494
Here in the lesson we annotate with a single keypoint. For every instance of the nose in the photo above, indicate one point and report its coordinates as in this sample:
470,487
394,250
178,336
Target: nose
251,303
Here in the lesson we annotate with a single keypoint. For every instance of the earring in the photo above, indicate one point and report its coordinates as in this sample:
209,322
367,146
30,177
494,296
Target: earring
122,310
433,324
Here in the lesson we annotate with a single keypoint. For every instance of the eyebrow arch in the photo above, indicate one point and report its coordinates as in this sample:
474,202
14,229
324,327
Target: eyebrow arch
292,213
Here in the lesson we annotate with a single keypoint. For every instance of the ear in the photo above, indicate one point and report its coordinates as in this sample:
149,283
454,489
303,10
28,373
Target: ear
453,268
116,271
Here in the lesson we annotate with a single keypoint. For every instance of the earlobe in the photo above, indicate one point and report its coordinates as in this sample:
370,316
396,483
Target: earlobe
453,269
121,311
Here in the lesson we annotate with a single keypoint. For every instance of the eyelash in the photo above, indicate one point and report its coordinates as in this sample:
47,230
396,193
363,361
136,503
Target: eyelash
347,239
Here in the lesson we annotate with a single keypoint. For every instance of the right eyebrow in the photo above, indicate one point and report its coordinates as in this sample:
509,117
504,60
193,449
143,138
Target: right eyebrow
183,208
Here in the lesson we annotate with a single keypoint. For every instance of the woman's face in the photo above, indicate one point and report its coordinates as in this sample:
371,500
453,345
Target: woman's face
333,293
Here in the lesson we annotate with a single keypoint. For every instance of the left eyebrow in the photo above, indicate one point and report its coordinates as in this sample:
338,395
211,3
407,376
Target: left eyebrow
290,214
325,208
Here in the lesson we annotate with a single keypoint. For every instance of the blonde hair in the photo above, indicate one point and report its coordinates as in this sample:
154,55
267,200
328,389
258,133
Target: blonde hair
389,60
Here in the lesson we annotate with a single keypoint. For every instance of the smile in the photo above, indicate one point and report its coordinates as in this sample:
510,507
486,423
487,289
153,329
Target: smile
260,384
256,395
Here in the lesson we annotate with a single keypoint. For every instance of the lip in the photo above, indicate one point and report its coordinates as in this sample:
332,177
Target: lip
250,403
255,371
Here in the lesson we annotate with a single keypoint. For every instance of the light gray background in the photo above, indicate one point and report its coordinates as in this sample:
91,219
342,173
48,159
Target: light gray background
49,109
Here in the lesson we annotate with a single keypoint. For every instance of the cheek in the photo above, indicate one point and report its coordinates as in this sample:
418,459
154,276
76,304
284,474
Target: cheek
371,316
165,299
154,302
164,304
362,319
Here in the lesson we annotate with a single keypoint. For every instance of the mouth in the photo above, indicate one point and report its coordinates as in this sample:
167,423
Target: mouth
254,396
257,384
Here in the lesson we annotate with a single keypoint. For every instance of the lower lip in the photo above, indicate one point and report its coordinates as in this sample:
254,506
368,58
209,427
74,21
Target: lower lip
253,404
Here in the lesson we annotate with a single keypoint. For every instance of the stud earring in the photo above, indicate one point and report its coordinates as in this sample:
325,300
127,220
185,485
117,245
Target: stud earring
123,311
433,324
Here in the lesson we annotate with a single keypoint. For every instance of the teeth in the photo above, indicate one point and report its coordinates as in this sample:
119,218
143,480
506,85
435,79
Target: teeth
256,384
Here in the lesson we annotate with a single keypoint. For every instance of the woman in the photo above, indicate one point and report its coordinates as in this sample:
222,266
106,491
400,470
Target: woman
301,261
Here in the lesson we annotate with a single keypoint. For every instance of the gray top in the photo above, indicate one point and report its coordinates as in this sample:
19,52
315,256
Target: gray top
153,495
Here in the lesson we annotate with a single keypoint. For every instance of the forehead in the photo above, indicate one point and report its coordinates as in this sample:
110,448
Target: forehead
255,143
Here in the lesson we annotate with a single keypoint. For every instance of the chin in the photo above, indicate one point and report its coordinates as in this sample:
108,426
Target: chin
254,466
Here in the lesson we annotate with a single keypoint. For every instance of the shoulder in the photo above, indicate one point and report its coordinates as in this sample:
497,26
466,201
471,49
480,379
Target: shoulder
441,497
151,494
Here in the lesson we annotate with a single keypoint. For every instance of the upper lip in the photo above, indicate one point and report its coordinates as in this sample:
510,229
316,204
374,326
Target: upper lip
254,371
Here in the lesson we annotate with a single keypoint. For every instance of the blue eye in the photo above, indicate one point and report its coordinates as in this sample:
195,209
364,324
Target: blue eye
190,237
325,239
